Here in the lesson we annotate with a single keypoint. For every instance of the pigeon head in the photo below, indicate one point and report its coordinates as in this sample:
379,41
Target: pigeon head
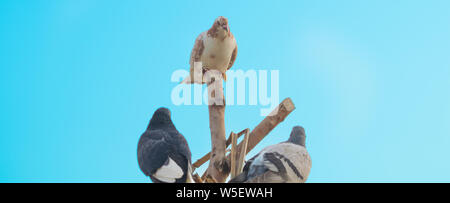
220,27
161,118
298,136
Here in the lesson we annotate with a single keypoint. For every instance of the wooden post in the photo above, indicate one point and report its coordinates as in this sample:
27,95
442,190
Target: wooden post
219,167
261,130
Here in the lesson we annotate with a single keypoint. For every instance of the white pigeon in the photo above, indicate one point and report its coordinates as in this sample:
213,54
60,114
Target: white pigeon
286,162
216,49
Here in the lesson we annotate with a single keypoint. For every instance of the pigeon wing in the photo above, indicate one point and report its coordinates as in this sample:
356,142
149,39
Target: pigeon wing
284,162
153,157
183,147
244,175
152,143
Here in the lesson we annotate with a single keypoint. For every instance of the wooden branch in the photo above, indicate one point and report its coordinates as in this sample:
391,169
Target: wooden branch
206,157
218,168
210,179
229,141
260,132
268,124
197,178
241,153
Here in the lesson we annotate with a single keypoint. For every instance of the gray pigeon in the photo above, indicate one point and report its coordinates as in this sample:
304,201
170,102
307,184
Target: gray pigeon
286,162
163,153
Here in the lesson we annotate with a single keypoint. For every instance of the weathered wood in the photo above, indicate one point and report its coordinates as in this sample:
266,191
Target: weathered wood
206,157
218,168
210,179
197,178
233,155
264,127
229,141
268,124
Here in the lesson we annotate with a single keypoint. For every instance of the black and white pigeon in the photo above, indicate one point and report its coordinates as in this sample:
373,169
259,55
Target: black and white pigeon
286,162
163,153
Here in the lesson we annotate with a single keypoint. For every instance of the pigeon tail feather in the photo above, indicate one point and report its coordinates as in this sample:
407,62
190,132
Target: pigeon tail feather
241,178
170,171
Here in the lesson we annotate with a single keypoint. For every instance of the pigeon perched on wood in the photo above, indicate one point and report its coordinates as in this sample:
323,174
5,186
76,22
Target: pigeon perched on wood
163,153
286,162
216,49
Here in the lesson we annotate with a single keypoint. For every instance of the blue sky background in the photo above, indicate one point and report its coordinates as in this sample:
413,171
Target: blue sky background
80,79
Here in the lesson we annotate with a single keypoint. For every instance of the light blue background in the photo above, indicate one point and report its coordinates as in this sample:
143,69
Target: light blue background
80,79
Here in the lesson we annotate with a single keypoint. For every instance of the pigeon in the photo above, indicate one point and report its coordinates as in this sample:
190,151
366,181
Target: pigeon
286,162
163,153
216,49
